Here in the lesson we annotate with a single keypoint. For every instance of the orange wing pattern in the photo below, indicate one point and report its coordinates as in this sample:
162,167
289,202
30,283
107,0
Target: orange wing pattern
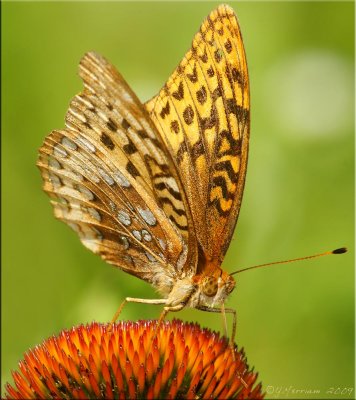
202,114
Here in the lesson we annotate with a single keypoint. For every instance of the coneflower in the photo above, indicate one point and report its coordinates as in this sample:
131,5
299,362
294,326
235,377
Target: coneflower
135,360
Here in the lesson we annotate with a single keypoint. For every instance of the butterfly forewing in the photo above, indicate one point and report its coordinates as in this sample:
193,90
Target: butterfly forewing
111,181
202,114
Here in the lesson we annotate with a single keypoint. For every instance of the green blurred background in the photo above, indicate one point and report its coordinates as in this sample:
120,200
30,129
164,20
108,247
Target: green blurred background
296,322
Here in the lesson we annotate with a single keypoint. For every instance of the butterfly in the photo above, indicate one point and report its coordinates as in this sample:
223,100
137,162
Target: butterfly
155,189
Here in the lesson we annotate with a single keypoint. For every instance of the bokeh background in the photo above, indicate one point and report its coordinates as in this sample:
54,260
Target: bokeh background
296,322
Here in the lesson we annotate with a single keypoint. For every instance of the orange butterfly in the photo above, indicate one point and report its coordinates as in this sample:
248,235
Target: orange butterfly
156,189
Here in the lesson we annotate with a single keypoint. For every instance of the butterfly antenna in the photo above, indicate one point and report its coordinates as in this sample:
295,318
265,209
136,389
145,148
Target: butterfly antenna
327,253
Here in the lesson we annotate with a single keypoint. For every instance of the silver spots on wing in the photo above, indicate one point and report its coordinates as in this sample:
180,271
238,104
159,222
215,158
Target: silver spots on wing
55,180
69,144
94,213
112,206
146,235
88,194
53,163
93,177
125,242
150,256
124,217
137,234
121,179
84,143
77,176
147,216
59,151
107,178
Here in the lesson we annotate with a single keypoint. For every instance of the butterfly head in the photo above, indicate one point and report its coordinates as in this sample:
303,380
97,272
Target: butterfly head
216,286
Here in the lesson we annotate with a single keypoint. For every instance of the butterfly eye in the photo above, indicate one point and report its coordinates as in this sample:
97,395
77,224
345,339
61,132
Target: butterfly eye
210,287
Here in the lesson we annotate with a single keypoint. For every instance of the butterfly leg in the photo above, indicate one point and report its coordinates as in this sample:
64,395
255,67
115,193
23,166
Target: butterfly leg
135,300
167,309
164,313
223,313
223,310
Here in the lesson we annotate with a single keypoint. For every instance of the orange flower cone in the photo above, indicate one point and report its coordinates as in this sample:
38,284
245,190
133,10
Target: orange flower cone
183,361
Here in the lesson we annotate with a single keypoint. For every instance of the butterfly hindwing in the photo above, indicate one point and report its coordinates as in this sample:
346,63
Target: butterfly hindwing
110,179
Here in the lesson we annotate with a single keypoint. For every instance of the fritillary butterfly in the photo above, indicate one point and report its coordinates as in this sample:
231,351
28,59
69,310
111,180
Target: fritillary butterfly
155,189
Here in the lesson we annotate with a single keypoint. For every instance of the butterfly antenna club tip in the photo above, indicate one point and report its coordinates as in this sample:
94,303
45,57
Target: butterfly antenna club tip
341,250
